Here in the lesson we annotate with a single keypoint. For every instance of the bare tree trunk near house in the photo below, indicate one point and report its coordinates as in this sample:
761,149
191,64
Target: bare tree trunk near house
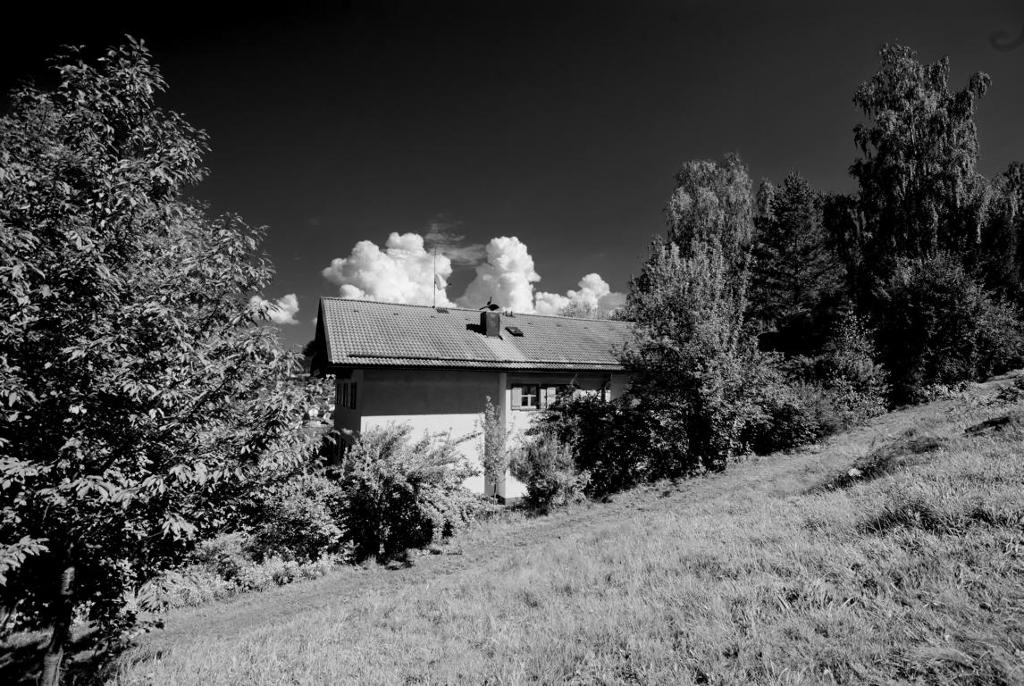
61,629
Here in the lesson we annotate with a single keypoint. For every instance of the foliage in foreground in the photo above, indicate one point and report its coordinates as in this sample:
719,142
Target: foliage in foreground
391,493
134,382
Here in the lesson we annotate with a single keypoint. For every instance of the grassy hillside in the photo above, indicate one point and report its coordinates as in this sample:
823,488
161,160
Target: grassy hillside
784,570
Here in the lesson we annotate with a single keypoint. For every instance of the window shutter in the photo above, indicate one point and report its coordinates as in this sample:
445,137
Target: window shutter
547,397
517,397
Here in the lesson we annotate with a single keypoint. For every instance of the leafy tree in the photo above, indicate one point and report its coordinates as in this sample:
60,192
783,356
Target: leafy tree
796,278
711,203
1001,260
135,386
690,349
919,191
929,233
579,310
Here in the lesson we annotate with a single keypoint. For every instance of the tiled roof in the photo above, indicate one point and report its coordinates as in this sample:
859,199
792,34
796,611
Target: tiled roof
361,333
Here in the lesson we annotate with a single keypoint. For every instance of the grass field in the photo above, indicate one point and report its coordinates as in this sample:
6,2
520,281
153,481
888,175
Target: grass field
783,570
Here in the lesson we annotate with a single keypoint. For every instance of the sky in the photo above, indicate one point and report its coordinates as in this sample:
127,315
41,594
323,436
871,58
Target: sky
532,143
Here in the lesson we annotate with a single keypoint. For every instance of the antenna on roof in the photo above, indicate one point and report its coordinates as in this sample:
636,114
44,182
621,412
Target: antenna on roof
490,305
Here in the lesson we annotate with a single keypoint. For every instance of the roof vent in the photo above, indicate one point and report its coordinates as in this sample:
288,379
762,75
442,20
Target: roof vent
514,330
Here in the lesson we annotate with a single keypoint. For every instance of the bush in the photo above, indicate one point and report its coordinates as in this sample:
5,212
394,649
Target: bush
299,521
401,494
621,443
804,399
201,582
548,469
848,361
1013,393
937,325
853,384
193,586
225,555
790,415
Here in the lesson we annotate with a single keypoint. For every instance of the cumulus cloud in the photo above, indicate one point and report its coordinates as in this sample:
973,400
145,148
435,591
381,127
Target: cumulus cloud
506,278
280,311
594,298
505,275
404,272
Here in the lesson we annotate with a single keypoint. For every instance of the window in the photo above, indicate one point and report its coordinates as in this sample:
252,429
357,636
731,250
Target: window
529,397
347,395
533,396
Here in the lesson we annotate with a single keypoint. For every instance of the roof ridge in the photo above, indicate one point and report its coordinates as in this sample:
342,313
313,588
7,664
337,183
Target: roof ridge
466,309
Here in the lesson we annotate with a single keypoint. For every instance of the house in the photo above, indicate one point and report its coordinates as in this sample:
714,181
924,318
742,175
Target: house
434,368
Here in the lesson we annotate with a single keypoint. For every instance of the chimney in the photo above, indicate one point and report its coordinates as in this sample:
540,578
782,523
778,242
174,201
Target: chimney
490,323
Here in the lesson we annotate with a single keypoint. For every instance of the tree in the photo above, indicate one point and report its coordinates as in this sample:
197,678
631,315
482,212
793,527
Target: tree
579,310
712,203
928,234
796,278
136,387
1001,252
690,348
919,191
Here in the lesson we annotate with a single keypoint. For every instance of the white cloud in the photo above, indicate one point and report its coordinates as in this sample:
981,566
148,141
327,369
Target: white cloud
506,278
281,311
549,303
594,297
403,272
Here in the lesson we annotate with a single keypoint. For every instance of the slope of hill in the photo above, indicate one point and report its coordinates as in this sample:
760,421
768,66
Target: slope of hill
893,553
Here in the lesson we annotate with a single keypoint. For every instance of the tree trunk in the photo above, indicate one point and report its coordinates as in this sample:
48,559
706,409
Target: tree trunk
61,630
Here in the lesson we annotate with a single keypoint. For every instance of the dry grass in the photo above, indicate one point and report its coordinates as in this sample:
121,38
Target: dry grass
779,571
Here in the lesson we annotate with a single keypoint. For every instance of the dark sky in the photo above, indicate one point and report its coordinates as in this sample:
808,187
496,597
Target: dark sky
561,123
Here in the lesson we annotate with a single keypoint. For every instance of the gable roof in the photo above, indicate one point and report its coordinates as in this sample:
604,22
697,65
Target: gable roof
363,333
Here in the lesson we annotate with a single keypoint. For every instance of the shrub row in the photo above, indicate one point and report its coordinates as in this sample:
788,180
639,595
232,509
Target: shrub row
387,494
584,445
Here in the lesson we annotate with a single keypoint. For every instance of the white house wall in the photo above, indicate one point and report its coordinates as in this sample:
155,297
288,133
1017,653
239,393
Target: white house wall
452,402
433,401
